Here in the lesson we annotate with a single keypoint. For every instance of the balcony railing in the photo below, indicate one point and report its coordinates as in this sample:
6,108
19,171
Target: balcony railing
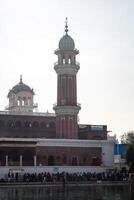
60,50
78,104
35,105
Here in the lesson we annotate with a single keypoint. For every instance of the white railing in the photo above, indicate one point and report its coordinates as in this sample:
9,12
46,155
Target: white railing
35,105
61,50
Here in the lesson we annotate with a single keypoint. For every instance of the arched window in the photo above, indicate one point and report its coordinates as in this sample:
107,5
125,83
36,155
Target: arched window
95,161
19,101
69,60
63,60
28,124
35,124
18,124
10,124
84,160
43,124
58,158
29,101
63,125
74,161
2,123
64,159
24,101
52,125
51,161
47,125
44,158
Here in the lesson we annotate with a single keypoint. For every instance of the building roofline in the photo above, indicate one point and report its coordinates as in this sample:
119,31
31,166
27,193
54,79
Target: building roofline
47,114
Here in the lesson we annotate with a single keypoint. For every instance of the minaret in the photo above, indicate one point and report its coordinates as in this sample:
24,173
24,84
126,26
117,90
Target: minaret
66,108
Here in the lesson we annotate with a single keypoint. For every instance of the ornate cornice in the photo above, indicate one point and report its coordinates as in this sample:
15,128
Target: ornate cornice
58,51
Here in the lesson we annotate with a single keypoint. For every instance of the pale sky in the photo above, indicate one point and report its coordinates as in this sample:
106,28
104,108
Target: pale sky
103,31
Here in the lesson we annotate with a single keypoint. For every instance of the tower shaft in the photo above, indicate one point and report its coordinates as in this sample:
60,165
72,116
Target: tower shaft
66,108
66,94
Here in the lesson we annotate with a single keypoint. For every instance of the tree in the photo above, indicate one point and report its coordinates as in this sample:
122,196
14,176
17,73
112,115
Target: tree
130,156
128,138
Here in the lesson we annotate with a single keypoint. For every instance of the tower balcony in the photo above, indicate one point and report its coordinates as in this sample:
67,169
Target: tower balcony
70,69
67,109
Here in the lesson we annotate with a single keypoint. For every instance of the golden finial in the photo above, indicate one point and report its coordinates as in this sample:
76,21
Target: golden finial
66,26
20,78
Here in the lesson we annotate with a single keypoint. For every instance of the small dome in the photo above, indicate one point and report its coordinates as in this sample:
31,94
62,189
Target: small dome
20,87
66,43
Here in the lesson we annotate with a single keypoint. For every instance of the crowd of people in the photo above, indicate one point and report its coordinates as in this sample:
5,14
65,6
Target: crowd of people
112,175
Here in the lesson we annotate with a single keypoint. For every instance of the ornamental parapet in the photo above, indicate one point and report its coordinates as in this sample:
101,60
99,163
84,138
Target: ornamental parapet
66,110
9,112
66,68
34,105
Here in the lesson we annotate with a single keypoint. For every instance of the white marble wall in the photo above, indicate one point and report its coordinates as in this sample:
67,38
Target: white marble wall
4,170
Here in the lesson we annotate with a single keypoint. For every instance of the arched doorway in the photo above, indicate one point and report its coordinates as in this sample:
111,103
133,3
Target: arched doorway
74,161
14,157
51,161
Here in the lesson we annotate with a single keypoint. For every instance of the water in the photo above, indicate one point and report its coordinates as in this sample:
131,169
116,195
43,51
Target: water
67,193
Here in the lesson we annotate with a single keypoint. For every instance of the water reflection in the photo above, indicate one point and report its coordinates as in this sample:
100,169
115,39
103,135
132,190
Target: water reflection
66,193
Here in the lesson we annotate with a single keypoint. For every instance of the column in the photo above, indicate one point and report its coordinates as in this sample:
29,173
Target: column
6,160
20,160
35,161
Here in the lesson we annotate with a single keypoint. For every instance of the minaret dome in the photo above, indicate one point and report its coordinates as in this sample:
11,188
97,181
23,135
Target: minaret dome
66,42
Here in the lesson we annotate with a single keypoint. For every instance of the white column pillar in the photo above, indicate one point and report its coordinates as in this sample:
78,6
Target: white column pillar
20,160
35,161
6,160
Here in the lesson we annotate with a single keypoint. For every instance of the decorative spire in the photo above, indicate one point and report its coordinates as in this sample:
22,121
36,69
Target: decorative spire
20,79
66,26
